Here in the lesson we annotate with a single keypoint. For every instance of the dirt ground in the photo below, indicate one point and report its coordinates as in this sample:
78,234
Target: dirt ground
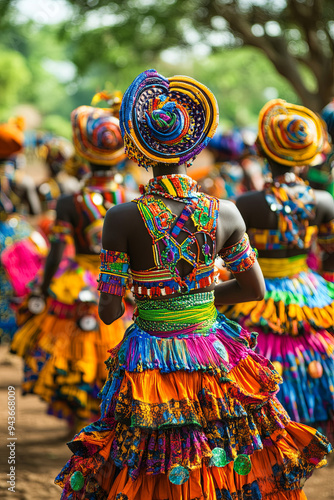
41,451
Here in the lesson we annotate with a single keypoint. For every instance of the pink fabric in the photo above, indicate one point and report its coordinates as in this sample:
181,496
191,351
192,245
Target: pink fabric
21,262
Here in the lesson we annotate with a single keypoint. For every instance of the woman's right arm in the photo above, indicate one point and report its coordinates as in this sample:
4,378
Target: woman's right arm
248,282
244,287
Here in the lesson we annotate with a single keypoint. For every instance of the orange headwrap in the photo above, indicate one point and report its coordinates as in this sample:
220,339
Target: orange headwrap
11,138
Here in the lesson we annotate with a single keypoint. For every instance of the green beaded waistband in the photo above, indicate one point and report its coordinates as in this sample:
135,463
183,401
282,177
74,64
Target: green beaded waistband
194,311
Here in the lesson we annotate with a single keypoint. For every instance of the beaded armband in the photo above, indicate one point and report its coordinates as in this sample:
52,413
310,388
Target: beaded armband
61,232
114,275
239,257
326,236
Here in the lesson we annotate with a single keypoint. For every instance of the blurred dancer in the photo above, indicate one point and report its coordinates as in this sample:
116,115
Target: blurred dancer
189,410
55,151
296,318
327,169
64,347
22,249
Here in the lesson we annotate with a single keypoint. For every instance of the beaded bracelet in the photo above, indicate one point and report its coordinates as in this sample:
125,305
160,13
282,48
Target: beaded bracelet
326,236
61,232
239,257
114,275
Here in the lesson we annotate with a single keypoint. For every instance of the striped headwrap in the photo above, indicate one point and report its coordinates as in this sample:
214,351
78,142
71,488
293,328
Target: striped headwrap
166,120
290,134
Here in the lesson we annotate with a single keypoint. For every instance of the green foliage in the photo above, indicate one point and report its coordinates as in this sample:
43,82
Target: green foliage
23,76
110,42
243,80
15,77
57,125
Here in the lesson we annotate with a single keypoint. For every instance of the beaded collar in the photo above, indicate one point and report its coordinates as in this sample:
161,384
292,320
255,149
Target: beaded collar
103,181
294,202
175,186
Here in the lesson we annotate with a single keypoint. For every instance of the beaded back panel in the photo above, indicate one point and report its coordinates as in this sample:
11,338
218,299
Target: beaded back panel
200,214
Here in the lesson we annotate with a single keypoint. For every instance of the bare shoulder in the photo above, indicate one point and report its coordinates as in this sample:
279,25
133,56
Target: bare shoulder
325,205
65,200
323,197
228,210
233,225
65,207
246,199
121,210
118,225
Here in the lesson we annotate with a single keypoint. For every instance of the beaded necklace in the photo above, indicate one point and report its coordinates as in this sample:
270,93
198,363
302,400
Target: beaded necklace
105,187
294,202
175,186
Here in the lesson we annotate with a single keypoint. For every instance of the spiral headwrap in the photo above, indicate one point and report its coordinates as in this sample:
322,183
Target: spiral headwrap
290,134
97,136
227,145
166,120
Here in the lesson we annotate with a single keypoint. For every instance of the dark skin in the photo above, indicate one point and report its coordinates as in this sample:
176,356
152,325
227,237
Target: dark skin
66,211
257,214
124,230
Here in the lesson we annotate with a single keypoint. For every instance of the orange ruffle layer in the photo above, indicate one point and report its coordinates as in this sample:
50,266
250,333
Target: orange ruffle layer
70,357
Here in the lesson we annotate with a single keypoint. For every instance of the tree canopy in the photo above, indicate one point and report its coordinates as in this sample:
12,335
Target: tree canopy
246,51
297,36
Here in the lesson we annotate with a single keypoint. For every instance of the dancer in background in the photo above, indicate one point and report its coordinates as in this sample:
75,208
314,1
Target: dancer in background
64,346
328,168
295,321
55,151
22,249
189,411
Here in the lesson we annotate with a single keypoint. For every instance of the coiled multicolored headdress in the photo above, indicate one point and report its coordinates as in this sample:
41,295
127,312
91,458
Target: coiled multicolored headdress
166,120
97,136
291,135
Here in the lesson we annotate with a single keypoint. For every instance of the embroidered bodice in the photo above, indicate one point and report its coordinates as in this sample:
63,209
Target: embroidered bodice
91,205
271,239
164,228
294,203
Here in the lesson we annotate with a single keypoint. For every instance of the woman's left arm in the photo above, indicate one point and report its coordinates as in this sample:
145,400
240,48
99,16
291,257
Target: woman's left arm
114,266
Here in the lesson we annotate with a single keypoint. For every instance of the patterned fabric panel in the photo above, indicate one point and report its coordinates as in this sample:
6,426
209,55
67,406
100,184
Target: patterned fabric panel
270,239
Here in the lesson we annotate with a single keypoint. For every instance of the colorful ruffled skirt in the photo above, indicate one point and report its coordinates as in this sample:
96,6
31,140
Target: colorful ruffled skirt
295,326
189,411
64,348
22,253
